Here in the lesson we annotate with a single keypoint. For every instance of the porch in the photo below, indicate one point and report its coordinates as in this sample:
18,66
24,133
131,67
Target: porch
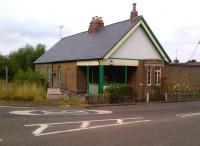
100,74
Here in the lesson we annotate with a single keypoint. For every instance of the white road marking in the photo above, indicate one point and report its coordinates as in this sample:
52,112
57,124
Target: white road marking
188,115
1,140
60,112
40,129
136,118
84,125
119,121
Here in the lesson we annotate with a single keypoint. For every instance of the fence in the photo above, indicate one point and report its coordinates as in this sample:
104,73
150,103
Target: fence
173,96
97,100
152,95
183,95
106,100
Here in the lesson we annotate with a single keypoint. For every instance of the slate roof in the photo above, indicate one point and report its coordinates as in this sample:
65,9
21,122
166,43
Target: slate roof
88,46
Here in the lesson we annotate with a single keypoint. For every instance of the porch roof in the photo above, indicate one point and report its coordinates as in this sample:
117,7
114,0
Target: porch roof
109,62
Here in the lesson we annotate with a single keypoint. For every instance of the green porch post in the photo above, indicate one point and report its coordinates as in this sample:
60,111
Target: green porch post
88,79
101,78
126,74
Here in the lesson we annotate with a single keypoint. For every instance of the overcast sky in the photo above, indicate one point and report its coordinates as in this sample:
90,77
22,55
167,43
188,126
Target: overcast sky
176,23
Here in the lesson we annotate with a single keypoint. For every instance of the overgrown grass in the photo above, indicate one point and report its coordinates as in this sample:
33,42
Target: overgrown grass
29,91
22,91
72,101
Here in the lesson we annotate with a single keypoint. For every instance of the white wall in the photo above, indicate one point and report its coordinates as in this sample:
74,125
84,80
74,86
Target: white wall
137,46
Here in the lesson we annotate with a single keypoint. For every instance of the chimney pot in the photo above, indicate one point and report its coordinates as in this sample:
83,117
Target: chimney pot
95,24
134,12
134,6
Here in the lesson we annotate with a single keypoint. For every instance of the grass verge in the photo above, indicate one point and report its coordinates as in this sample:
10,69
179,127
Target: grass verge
35,93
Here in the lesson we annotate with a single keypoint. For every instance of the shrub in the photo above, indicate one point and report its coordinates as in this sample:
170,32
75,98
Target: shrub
30,76
118,92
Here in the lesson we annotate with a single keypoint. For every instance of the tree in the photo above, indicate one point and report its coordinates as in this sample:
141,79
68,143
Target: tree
39,50
2,66
24,57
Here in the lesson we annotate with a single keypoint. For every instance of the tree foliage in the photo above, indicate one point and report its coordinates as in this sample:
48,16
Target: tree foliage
22,59
29,76
2,66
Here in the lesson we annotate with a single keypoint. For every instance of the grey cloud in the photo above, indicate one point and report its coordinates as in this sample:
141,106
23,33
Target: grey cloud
26,28
14,33
184,40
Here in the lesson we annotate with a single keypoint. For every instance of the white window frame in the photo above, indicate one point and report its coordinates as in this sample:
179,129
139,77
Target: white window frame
157,75
149,75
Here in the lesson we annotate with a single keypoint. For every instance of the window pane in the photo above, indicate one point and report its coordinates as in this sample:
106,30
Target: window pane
157,75
149,70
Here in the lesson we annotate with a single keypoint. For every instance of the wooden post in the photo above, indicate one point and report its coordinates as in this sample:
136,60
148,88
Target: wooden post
126,74
88,79
101,78
147,100
166,98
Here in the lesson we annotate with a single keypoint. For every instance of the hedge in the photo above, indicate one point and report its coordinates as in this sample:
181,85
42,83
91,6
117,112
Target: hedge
119,93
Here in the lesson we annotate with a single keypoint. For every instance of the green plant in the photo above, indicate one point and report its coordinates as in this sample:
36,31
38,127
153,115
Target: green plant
30,76
26,91
118,92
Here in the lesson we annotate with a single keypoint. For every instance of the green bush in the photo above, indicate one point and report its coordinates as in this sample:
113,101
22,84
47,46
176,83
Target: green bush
30,76
119,92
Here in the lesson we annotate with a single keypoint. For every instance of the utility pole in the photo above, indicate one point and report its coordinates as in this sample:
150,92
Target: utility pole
61,27
176,53
6,74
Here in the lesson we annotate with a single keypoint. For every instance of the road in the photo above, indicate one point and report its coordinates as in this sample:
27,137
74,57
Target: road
167,124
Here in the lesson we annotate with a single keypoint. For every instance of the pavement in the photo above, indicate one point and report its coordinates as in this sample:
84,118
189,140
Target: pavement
167,124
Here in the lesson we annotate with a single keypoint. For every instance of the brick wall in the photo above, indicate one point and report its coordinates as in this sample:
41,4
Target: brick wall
182,73
69,75
139,78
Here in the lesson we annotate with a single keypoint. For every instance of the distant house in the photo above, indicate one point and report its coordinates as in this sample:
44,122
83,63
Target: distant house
124,52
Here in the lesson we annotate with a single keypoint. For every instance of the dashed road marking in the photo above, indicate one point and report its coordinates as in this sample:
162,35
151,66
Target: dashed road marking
119,121
85,125
188,115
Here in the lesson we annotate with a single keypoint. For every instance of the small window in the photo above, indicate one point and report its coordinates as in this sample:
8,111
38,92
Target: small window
149,74
157,75
59,73
48,73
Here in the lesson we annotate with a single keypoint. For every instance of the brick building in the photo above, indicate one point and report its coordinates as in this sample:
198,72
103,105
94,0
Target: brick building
124,52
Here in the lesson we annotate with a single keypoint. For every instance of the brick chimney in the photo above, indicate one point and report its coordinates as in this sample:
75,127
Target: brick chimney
134,12
95,24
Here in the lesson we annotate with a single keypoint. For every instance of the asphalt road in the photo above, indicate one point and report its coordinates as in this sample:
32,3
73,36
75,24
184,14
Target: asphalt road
169,124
